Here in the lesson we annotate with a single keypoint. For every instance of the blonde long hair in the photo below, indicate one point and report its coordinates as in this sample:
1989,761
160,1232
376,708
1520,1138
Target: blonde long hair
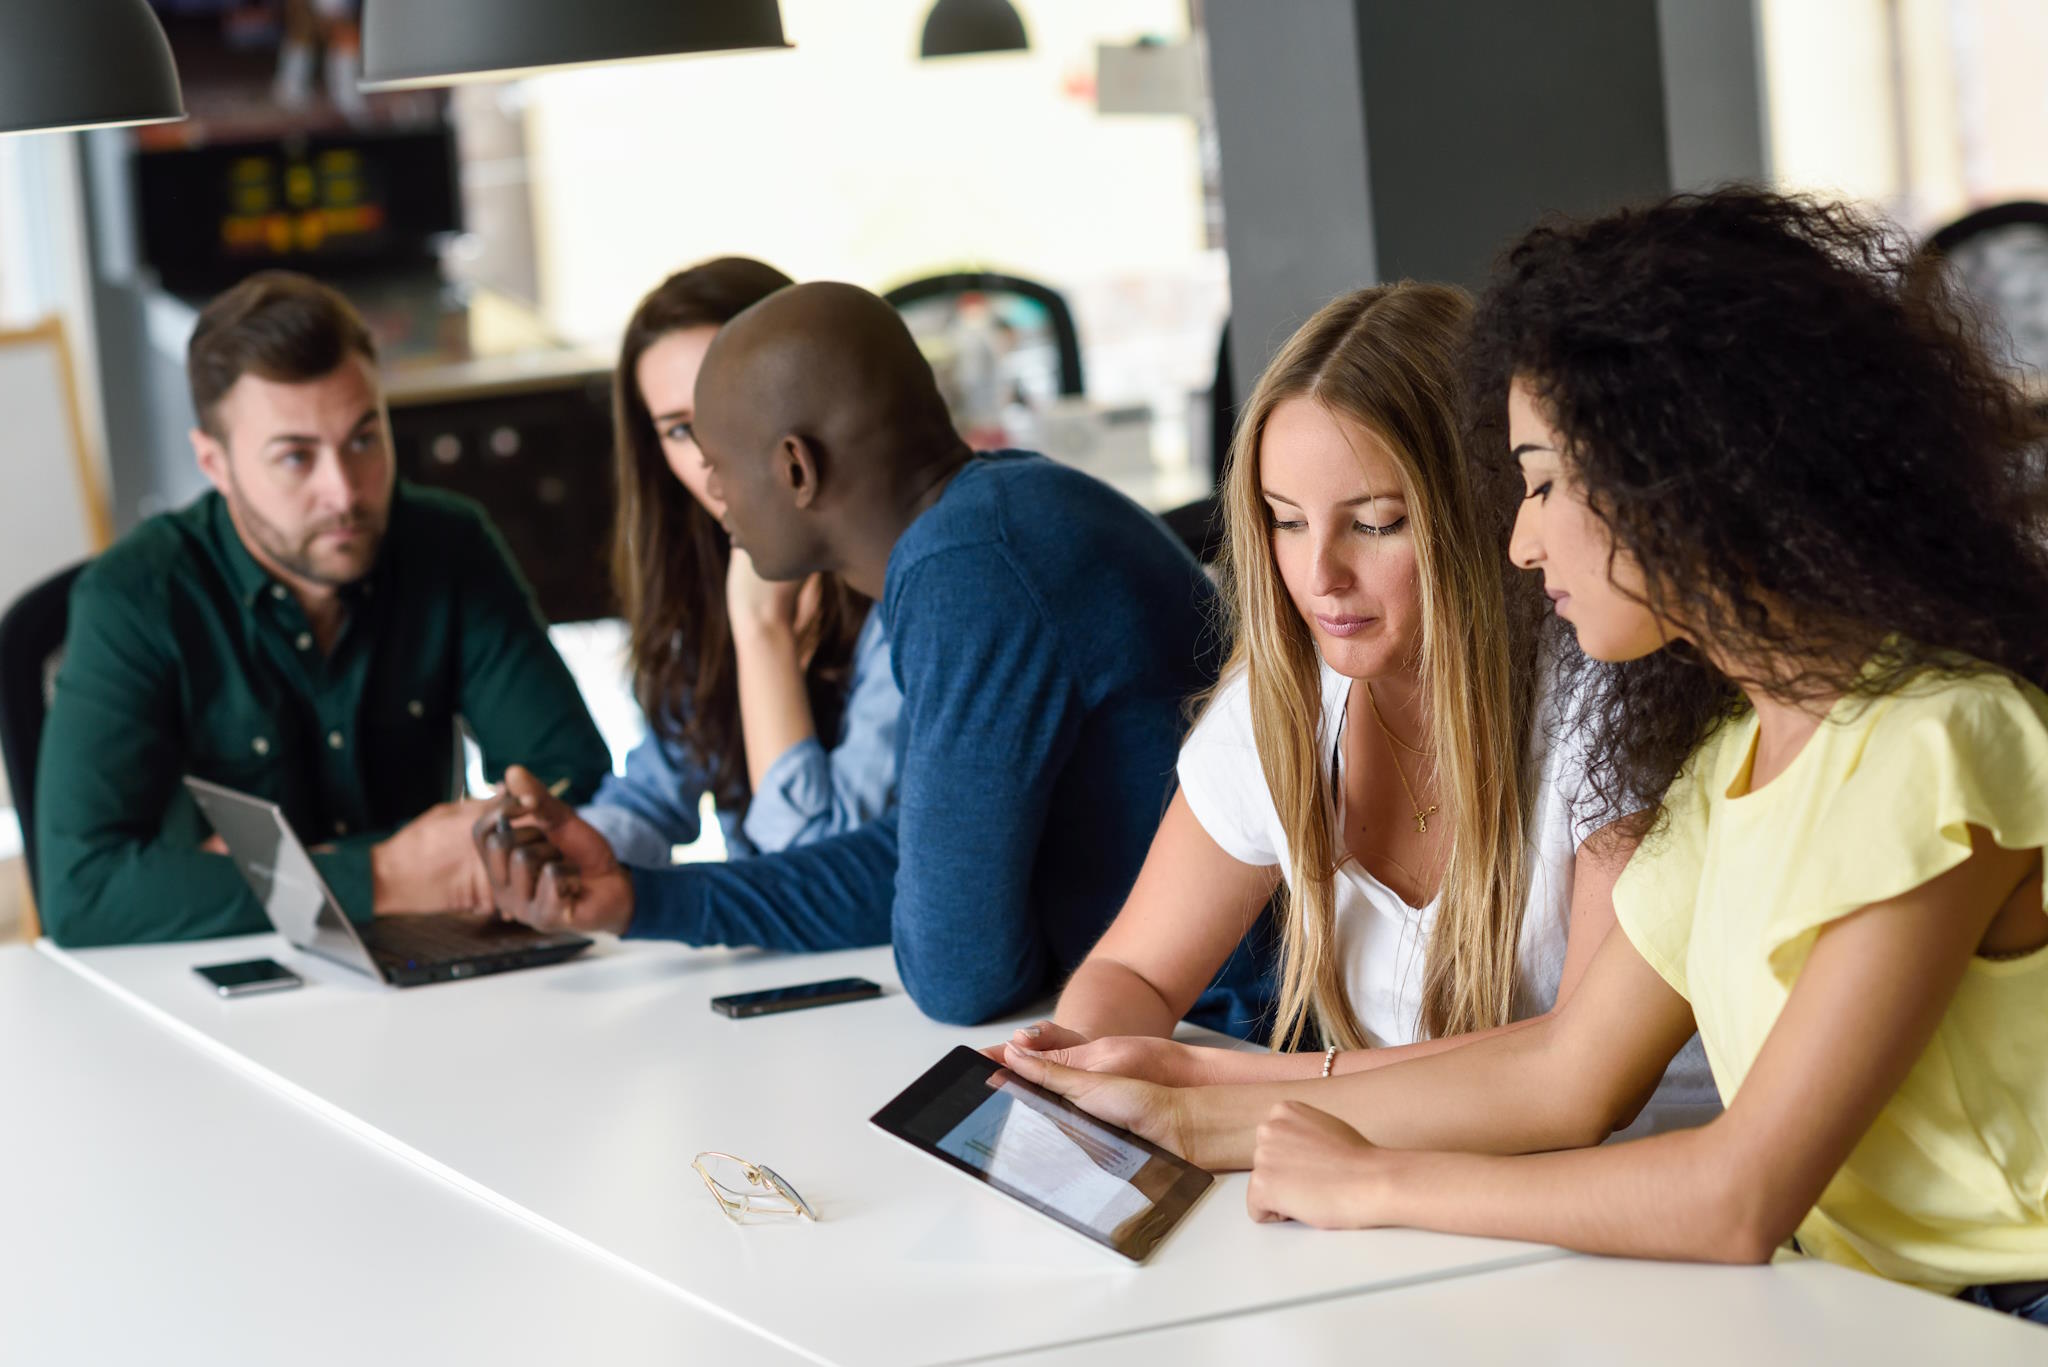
1387,359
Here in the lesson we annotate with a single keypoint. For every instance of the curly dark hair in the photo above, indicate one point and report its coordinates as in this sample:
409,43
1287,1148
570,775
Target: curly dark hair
1793,425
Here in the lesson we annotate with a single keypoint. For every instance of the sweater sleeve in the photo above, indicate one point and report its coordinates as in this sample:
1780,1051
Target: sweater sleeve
991,717
831,895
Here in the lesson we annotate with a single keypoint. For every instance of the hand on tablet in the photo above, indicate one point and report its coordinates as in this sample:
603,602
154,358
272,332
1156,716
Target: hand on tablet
1110,1186
1146,1057
1312,1167
1045,1035
1144,1108
1041,1036
552,870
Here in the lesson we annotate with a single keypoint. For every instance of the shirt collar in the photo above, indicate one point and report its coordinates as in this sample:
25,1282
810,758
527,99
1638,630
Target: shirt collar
252,581
249,578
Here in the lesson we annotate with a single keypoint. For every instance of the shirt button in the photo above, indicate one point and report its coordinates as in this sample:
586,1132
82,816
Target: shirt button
334,740
305,641
417,708
341,828
260,745
277,592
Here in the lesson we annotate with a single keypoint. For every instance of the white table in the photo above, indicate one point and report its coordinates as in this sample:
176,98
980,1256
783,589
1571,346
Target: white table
576,1095
167,1199
157,1207
1597,1312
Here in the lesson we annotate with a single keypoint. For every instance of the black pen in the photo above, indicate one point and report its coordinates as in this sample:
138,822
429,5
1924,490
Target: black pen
555,789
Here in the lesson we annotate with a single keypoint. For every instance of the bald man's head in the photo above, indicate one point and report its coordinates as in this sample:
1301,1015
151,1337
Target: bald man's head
818,417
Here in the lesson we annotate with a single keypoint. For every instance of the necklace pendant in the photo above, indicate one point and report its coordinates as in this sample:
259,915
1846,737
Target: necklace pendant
1422,819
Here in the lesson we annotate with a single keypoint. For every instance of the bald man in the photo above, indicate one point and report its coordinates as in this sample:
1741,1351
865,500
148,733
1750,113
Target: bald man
1046,633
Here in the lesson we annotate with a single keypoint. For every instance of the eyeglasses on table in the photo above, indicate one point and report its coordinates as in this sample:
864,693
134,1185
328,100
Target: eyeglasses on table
744,1189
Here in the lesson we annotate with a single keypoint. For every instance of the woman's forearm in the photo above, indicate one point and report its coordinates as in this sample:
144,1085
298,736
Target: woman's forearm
1675,1196
775,709
1105,998
1235,1066
1506,1094
1364,1060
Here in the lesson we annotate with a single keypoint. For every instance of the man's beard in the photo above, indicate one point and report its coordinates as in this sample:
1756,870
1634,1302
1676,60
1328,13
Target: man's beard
297,555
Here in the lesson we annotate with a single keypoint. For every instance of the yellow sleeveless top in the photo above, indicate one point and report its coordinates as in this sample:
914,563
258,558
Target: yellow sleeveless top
1949,1187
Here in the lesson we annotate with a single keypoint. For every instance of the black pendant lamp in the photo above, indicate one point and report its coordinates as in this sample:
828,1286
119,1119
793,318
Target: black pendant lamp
412,43
958,28
84,64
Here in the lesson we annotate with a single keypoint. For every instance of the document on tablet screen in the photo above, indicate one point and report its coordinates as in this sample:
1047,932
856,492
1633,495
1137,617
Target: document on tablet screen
1109,1186
1066,1164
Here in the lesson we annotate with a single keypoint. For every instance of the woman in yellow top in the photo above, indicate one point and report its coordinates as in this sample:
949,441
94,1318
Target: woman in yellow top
1773,481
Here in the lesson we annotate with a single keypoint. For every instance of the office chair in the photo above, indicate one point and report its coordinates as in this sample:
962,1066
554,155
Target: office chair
1988,220
31,644
943,289
1999,256
1199,525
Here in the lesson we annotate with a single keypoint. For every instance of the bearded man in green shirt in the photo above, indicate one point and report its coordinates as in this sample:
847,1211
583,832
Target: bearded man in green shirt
308,632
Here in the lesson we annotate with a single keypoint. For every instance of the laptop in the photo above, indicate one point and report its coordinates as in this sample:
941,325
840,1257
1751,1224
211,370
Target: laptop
404,951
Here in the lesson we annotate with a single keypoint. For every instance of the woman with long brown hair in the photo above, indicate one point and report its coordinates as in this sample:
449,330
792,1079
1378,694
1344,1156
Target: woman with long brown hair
740,680
1382,743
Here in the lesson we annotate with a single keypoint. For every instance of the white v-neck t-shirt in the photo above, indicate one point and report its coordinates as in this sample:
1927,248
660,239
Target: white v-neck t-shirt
1382,941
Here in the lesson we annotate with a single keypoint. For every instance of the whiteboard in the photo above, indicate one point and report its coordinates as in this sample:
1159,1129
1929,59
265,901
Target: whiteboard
52,512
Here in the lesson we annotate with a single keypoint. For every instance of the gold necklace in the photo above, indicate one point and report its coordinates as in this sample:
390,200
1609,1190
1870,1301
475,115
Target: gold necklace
1411,749
1422,813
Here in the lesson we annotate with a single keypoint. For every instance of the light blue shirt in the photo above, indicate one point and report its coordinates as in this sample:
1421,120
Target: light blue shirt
808,793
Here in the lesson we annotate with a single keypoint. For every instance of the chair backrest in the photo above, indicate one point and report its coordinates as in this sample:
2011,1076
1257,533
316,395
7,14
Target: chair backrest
1222,407
1999,256
993,340
1199,525
31,644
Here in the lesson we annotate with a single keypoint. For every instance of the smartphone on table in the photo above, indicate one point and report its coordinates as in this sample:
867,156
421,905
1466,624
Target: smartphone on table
795,998
246,977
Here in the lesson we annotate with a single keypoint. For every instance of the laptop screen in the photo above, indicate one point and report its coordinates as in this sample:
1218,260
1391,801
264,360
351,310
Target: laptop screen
281,873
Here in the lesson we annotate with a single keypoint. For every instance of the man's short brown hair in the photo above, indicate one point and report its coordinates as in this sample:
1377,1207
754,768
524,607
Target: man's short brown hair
276,325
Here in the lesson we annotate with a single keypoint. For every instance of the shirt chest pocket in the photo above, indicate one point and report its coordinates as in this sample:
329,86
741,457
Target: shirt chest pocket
412,732
241,745
418,711
253,760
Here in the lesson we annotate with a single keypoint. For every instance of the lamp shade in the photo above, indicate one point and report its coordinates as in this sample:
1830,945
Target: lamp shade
963,27
84,64
411,43
956,28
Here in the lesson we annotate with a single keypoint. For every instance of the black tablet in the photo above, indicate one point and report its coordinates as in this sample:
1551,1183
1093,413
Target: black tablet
1042,1151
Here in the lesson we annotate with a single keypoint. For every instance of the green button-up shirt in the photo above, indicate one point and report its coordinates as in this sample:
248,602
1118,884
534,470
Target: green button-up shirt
184,656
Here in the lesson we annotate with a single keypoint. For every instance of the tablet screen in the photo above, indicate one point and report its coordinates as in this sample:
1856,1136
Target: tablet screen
1100,1181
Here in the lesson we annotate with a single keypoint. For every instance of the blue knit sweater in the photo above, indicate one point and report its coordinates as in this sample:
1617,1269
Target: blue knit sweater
1047,634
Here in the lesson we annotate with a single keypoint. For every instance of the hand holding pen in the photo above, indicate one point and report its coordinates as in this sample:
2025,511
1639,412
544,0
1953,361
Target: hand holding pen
547,867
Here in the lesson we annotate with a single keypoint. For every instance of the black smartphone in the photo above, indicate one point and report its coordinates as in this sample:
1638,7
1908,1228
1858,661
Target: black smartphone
795,998
248,976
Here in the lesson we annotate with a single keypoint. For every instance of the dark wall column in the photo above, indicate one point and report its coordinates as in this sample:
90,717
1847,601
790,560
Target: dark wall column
1372,140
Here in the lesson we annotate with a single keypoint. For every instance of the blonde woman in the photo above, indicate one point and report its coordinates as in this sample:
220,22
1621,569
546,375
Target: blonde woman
1381,744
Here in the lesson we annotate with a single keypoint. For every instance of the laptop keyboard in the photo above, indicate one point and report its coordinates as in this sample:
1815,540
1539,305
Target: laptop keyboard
423,940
